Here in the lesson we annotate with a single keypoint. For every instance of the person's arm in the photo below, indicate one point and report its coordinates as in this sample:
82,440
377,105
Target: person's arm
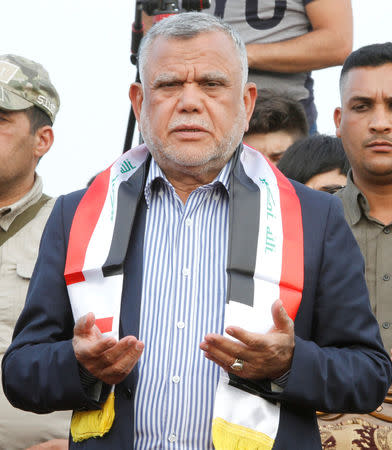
48,351
328,44
331,368
331,372
40,371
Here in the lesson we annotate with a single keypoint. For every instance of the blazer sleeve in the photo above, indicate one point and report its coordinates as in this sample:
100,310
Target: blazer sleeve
344,367
339,362
39,370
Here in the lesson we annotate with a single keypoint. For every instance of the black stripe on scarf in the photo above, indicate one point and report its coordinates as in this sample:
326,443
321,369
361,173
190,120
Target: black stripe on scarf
129,194
243,235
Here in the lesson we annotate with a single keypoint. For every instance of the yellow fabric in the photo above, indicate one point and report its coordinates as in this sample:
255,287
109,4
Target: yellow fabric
88,424
229,436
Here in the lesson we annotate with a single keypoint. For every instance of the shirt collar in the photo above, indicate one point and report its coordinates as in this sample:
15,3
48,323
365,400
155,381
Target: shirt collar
156,176
9,213
356,202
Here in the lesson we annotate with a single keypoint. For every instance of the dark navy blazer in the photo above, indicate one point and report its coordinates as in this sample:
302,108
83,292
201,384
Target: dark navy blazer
339,362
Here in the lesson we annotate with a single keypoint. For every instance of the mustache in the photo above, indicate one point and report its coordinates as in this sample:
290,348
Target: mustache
189,123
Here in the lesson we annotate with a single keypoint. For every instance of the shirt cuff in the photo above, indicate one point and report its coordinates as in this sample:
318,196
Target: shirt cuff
92,386
280,382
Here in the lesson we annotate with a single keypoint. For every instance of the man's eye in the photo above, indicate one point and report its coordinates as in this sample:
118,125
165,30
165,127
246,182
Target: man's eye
360,107
212,84
332,188
169,84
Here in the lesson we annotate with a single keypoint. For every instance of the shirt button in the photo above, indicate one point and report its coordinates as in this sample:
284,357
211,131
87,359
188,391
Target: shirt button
386,277
186,272
386,325
176,379
387,230
188,222
172,438
180,325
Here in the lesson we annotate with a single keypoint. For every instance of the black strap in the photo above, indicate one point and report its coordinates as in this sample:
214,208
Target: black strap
23,219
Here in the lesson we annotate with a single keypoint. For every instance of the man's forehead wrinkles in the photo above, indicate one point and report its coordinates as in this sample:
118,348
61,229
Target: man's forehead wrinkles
357,91
370,96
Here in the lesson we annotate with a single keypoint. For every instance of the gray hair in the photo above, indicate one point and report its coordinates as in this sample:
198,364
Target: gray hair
186,26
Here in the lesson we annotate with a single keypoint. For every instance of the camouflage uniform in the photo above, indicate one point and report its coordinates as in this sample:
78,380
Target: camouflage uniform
25,83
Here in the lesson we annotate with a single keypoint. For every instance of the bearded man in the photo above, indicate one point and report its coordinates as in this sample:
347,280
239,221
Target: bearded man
192,297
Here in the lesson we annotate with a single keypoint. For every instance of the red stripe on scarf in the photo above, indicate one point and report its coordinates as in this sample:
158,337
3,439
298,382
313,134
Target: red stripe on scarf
292,276
105,324
83,225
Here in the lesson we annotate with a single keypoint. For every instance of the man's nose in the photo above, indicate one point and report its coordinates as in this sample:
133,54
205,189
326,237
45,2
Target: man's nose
190,99
381,120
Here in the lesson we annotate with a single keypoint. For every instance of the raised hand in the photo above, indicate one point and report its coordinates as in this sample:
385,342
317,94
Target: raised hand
104,357
266,355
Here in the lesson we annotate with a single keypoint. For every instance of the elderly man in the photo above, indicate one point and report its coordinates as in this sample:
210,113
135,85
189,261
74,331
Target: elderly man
28,106
180,240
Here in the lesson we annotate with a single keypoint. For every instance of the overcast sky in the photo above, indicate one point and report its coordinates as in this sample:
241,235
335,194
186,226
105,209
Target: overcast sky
84,45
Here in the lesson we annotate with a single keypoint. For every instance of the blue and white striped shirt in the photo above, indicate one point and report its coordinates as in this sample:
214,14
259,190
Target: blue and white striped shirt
183,299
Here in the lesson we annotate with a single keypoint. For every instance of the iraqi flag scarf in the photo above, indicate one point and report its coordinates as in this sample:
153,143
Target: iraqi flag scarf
265,262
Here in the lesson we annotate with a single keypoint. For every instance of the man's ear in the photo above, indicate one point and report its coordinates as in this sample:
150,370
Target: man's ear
136,97
250,95
43,140
337,117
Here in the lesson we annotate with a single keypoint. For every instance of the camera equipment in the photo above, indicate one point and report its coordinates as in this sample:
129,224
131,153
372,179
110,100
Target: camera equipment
163,7
195,5
159,9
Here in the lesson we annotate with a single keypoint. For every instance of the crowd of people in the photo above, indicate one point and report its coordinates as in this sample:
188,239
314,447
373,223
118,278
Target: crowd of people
198,294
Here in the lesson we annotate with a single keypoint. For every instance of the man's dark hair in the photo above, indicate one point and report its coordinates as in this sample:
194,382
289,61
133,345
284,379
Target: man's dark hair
373,55
313,155
278,112
37,118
